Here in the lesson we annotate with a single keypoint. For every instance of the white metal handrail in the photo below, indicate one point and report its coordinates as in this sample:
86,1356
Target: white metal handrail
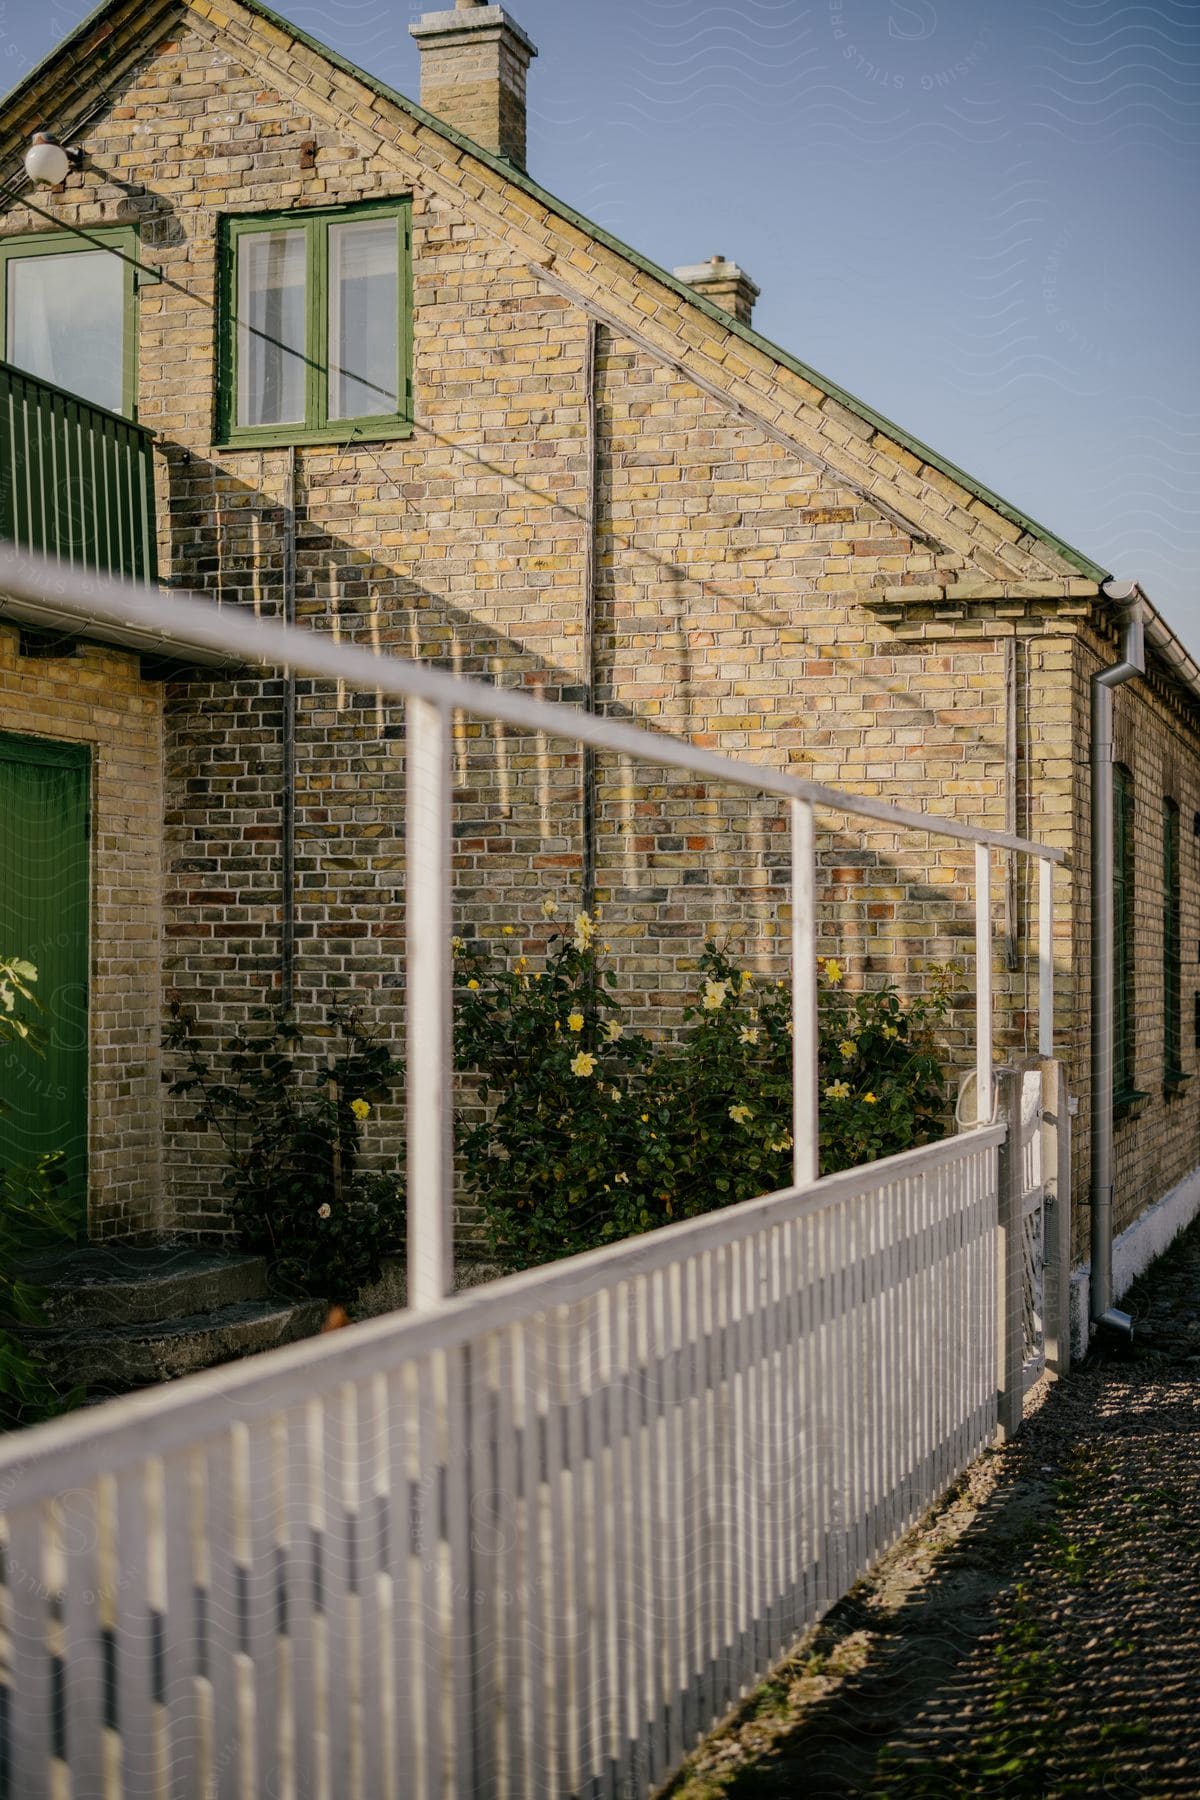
79,599
535,1538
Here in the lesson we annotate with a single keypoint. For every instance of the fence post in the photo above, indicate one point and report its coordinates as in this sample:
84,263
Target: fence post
430,1258
1010,1348
806,1130
1056,1178
984,1088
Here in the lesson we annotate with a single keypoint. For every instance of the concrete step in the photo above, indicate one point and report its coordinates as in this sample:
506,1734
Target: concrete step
106,1359
116,1284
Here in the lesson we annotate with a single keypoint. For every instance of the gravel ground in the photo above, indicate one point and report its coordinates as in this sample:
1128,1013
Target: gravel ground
1037,1634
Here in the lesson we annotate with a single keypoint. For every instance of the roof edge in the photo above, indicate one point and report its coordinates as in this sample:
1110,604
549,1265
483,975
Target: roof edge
519,178
1176,659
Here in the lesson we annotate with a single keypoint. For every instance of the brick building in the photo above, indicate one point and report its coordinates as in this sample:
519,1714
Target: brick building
398,389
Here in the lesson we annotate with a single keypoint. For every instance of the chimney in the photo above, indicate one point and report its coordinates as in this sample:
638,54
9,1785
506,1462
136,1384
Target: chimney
473,63
724,284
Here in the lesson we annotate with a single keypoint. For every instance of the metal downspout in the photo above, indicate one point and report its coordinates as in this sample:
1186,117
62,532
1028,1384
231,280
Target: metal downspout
1104,1314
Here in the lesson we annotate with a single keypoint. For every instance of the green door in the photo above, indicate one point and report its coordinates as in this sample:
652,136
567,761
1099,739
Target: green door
44,919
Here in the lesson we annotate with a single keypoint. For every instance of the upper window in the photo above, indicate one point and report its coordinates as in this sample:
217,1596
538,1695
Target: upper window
316,325
68,314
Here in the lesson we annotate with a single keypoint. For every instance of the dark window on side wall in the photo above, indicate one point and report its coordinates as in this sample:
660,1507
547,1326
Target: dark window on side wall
1172,948
315,340
1123,995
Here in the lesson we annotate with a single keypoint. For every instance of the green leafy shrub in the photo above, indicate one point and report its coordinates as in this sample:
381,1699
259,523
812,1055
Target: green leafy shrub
28,1221
297,1194
16,997
573,1148
587,1132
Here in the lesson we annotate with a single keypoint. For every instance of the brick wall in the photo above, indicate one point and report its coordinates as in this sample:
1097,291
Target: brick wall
775,577
97,698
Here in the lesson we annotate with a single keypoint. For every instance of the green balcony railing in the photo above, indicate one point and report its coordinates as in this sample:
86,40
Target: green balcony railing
76,481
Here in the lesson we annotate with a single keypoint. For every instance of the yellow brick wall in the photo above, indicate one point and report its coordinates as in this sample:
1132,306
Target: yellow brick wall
775,577
1156,738
97,698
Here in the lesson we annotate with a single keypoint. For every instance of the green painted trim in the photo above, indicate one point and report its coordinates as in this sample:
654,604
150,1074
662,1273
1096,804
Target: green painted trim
1172,952
1089,569
47,907
16,747
316,427
65,243
1124,947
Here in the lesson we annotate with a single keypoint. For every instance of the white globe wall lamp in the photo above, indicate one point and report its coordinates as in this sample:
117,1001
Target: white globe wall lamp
47,162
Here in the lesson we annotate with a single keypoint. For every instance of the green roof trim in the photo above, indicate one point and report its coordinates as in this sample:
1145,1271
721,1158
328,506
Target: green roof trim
1092,571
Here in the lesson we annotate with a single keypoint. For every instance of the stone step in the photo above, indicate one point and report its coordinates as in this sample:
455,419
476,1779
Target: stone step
107,1359
117,1284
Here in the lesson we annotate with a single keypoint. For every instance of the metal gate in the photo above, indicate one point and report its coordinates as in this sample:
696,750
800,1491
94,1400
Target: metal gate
1044,1148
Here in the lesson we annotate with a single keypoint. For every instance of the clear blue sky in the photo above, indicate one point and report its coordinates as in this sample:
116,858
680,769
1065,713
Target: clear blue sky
979,215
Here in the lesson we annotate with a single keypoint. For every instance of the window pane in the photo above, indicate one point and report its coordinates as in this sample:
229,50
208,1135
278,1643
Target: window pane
66,322
364,309
271,271
1172,948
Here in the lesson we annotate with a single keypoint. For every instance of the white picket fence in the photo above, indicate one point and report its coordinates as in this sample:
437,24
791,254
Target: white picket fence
532,1541
531,1544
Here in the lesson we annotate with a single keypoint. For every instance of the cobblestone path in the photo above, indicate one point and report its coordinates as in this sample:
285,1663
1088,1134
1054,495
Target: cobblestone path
1040,1633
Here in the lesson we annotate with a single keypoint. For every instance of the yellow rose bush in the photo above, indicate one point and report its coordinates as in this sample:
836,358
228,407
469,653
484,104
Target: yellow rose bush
587,1132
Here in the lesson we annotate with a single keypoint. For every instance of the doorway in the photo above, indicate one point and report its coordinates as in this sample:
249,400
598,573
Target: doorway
44,906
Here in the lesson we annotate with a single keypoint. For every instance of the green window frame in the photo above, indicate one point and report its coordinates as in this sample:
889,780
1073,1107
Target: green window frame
1172,950
123,238
1124,1011
316,427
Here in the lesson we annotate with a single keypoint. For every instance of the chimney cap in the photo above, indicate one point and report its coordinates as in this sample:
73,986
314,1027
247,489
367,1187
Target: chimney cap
716,268
469,16
724,284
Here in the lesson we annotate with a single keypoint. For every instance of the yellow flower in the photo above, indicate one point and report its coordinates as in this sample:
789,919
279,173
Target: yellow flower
890,1031
583,1064
324,1210
748,1034
575,1021
714,995
538,975
645,1118
833,970
473,984
838,1090
612,1031
508,931
456,945
747,978
622,1177
558,1024
741,1115
781,1143
360,1109
522,964
585,931
848,1048
870,1100
549,907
